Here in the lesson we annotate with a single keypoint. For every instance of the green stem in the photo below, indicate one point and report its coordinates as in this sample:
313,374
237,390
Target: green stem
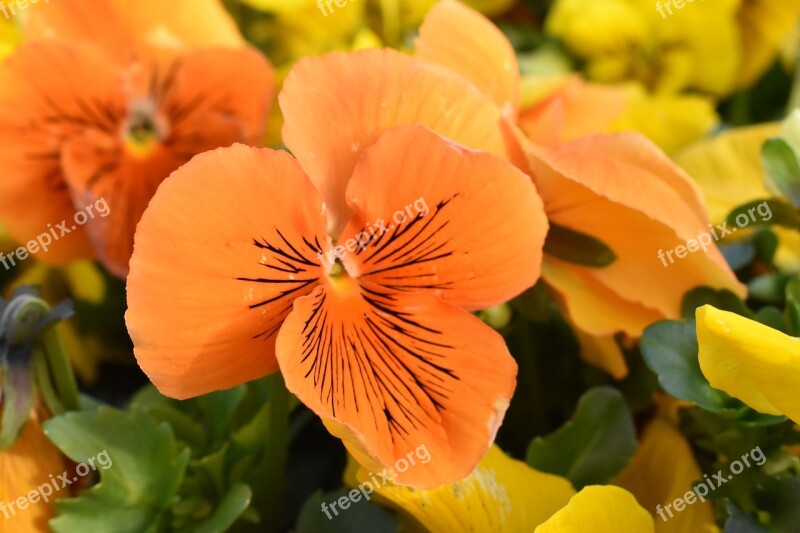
45,385
276,450
60,368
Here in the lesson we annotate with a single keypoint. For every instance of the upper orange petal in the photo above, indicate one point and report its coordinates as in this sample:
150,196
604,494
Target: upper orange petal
466,226
574,110
48,92
463,40
123,28
397,371
337,105
221,252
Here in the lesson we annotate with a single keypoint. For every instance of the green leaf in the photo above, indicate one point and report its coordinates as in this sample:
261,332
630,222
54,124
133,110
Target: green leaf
576,247
738,254
764,212
359,516
137,488
593,447
232,507
722,299
670,350
770,287
534,304
17,395
783,169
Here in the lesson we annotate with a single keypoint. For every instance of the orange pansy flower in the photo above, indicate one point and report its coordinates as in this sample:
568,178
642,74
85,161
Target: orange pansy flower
618,188
231,279
104,101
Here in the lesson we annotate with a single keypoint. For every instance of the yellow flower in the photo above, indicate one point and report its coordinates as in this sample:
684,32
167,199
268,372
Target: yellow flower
9,36
750,361
729,171
598,508
503,495
696,48
672,121
663,470
25,466
765,26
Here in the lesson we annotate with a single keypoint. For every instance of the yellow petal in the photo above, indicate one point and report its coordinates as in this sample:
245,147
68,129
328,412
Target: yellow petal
728,168
764,26
597,508
662,470
750,361
672,121
502,495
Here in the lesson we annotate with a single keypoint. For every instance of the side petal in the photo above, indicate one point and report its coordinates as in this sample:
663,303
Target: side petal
728,168
600,508
337,105
26,466
399,371
221,252
664,469
466,226
48,93
501,495
461,39
123,28
750,361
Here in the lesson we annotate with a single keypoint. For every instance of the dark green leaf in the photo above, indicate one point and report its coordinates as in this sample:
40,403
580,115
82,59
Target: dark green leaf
783,169
576,247
593,447
724,300
770,288
359,516
138,486
763,212
670,350
233,505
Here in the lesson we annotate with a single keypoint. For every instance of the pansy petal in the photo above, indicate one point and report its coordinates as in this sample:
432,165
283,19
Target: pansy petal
337,105
663,470
750,361
29,463
48,92
399,370
221,252
211,98
476,242
621,190
119,26
600,508
460,39
501,495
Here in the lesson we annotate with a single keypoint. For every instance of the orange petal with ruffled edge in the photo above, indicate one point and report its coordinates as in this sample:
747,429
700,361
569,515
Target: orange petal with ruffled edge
461,39
397,371
221,252
337,105
465,226
122,27
48,93
622,190
209,99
